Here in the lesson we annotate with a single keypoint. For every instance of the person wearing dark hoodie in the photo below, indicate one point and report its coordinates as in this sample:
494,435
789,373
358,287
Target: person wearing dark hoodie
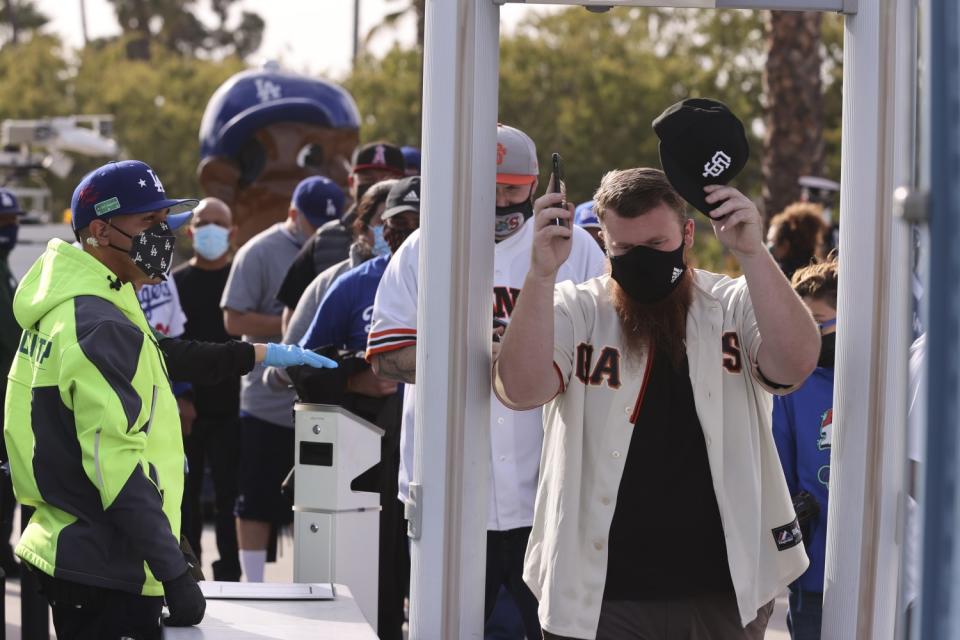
91,423
10,213
803,431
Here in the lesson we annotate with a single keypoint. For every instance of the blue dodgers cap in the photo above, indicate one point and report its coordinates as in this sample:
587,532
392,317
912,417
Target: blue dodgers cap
9,204
585,215
253,99
319,199
411,157
125,188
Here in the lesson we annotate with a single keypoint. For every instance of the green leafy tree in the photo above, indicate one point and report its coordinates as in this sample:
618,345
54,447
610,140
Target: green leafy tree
157,105
32,79
793,144
589,86
415,8
387,91
19,18
175,26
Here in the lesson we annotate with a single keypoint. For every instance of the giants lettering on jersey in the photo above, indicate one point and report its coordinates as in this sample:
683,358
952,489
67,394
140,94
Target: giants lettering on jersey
504,301
732,356
606,369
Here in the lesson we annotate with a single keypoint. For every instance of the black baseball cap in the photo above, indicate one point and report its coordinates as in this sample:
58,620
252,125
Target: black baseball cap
379,155
701,143
403,196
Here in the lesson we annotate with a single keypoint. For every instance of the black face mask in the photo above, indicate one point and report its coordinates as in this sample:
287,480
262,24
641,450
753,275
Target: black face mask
648,275
828,346
151,250
510,218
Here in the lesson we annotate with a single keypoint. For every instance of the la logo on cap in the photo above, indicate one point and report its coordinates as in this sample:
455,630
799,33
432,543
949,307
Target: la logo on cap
7,200
719,163
331,208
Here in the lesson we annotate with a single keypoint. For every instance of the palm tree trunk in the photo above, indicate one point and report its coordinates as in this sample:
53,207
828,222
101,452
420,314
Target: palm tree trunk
793,143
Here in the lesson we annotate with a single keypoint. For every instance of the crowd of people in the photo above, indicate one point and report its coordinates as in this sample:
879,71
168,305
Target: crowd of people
643,483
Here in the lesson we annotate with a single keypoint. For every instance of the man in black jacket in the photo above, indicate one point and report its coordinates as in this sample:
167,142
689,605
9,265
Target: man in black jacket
331,243
213,439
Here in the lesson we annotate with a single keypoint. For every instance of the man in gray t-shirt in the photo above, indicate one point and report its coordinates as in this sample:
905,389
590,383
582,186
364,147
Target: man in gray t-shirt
250,309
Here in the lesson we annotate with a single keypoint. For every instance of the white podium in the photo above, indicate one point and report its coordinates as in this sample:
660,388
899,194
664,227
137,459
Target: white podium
278,613
336,530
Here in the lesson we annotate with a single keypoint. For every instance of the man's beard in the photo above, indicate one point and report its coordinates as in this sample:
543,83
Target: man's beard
661,325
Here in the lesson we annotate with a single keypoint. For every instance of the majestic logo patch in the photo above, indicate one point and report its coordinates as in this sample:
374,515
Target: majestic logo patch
719,163
788,536
106,206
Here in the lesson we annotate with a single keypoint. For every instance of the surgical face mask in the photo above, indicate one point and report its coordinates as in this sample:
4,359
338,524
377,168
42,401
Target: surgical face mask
510,218
828,346
380,246
648,275
211,241
8,237
151,250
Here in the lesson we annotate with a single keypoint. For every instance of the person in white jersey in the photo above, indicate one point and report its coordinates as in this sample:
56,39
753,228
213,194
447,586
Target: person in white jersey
662,510
515,437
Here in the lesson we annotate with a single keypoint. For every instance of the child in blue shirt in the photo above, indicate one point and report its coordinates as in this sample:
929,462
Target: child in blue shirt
803,430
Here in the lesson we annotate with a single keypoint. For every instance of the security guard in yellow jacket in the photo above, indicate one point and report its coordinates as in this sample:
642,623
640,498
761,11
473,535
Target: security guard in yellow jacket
92,428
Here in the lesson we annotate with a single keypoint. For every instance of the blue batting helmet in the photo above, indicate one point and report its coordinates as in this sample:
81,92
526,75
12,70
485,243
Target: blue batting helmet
256,98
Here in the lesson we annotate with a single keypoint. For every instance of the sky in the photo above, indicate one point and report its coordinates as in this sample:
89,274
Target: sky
311,37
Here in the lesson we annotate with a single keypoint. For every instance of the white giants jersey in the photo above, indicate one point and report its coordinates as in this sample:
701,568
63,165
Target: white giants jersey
587,433
515,436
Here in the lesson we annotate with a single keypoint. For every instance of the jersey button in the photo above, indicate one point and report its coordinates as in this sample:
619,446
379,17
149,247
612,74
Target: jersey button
627,410
499,420
598,545
615,454
605,501
503,458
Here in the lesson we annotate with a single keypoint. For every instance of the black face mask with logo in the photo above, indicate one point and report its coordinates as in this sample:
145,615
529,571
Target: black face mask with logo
151,250
648,275
510,218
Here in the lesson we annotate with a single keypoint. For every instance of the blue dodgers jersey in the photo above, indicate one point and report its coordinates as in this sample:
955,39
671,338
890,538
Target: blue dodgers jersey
803,430
345,314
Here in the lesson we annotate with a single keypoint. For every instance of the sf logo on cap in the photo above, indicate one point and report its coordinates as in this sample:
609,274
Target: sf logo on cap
719,163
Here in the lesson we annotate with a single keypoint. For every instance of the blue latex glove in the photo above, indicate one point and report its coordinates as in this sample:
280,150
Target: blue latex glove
291,355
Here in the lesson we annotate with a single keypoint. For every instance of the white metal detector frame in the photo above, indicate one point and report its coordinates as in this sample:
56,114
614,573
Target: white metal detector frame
451,462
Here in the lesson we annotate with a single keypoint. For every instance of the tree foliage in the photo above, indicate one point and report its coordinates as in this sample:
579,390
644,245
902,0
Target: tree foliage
19,18
174,25
793,144
156,105
589,86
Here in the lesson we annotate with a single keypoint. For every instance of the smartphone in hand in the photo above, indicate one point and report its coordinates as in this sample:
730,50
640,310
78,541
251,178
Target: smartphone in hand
557,186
